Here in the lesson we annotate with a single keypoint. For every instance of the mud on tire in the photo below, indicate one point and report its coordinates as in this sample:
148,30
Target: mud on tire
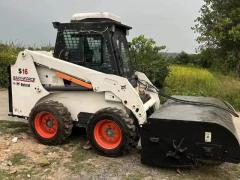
122,126
50,122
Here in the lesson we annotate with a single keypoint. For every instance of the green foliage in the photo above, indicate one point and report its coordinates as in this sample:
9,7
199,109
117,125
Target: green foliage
204,59
219,28
8,55
183,58
217,61
190,80
9,127
149,59
187,80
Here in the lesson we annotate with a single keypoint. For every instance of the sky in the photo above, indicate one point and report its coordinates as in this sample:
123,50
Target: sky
168,22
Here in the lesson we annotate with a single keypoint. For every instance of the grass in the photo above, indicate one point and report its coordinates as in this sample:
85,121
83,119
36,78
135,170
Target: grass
223,172
229,90
17,158
13,127
3,174
80,155
186,80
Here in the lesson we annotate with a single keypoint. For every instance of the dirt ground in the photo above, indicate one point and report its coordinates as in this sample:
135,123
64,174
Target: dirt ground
22,157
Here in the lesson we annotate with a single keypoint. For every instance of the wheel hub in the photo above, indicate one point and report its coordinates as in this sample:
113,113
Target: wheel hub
49,123
110,132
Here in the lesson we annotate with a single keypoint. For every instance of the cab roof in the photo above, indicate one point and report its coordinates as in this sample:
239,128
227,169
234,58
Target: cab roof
95,15
92,19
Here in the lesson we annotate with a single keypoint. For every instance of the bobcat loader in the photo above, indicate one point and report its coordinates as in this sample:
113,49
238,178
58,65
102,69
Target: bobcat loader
88,81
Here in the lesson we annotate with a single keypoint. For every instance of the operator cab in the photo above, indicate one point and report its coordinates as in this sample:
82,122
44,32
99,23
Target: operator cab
96,41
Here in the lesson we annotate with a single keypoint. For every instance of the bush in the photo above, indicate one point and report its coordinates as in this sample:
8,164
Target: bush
204,59
183,58
229,90
207,58
3,73
212,58
8,55
148,58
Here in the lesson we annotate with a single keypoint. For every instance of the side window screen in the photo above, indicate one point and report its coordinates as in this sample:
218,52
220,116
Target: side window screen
71,39
73,51
121,45
124,55
93,47
86,50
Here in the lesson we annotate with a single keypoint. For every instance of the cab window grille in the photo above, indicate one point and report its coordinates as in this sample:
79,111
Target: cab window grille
71,39
93,47
86,50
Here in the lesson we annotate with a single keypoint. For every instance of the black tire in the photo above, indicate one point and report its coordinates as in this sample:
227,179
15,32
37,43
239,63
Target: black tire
62,116
125,123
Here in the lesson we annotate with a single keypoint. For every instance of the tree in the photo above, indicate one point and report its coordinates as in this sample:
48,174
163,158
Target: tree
183,58
207,57
219,28
149,59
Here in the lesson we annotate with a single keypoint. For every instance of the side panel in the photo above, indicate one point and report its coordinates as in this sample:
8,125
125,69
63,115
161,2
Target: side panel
48,77
82,101
26,86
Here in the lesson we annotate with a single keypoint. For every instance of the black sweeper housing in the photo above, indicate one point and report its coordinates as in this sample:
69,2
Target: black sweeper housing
181,135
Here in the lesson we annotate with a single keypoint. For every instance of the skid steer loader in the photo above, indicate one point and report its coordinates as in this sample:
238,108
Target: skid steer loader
88,81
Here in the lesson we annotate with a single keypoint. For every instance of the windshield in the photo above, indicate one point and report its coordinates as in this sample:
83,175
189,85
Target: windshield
121,45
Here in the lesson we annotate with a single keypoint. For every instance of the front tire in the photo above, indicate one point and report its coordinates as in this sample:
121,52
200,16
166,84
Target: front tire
50,122
112,132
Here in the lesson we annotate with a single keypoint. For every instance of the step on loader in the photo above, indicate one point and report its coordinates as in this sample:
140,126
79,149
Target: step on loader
88,81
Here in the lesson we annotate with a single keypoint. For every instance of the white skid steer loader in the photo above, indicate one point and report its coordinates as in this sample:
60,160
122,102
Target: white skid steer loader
88,81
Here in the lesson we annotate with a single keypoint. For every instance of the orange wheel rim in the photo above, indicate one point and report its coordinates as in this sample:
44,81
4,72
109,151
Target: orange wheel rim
46,124
107,134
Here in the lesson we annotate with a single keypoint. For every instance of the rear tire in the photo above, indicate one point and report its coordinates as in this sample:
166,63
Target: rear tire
112,132
50,122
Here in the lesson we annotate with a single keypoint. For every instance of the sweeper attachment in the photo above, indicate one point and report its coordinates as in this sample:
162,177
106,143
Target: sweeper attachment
88,81
181,135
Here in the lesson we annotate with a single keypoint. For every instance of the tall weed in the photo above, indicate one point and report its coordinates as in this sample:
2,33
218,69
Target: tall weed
187,80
